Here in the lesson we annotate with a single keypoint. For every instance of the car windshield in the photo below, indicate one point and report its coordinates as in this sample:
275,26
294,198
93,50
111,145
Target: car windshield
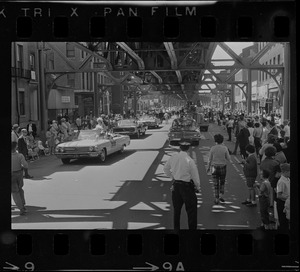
87,135
186,124
126,123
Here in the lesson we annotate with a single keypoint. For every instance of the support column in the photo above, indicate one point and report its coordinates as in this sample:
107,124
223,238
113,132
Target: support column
116,97
286,83
43,102
232,98
96,105
223,101
249,92
134,101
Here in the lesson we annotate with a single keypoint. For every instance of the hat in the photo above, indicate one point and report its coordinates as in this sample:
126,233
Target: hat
15,126
54,121
285,167
63,119
185,143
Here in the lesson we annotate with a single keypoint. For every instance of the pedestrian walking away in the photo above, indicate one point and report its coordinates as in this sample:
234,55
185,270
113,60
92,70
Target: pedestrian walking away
217,162
183,170
243,139
18,163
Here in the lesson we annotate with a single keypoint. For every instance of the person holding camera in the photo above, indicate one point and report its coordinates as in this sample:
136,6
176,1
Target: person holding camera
186,182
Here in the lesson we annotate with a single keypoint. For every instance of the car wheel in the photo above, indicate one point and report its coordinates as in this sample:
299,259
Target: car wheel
122,149
65,161
102,156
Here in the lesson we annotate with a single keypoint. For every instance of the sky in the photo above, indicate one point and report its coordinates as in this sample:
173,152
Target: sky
235,46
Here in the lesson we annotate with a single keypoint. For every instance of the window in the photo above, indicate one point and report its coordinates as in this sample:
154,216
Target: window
22,102
20,56
76,100
70,50
278,59
32,62
71,80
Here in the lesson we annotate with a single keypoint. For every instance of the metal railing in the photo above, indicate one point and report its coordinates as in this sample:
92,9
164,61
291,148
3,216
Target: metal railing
20,72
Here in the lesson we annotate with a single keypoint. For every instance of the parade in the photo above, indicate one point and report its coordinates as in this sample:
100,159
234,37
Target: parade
101,149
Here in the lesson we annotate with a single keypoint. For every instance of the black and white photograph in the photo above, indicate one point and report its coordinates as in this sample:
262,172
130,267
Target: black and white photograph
150,135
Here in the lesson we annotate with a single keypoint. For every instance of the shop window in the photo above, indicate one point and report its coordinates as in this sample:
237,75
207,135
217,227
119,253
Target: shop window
71,80
20,56
32,62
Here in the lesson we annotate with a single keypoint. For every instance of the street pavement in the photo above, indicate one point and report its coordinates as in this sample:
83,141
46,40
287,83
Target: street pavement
130,190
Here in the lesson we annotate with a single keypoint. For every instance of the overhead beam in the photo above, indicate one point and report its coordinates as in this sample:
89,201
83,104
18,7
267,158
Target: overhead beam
139,61
94,54
170,50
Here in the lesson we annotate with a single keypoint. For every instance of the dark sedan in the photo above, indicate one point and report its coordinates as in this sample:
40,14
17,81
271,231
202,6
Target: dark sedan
184,129
130,127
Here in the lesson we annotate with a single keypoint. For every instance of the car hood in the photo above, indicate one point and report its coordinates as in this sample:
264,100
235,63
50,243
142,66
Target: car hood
83,143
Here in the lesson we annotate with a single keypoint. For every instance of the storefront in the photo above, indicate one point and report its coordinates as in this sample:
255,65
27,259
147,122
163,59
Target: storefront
61,101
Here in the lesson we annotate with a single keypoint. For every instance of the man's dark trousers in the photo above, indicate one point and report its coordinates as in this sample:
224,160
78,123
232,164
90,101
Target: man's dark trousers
184,193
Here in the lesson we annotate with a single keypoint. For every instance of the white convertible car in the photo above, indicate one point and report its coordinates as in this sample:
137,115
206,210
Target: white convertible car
89,144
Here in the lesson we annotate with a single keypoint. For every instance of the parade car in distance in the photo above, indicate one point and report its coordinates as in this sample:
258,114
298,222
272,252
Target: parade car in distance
150,122
130,127
91,144
184,129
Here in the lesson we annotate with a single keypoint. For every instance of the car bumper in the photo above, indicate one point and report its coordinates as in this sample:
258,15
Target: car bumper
78,155
189,140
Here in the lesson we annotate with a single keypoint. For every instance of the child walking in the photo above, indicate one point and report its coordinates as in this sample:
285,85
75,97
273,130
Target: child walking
250,172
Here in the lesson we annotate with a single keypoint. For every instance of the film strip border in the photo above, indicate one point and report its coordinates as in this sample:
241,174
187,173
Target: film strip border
148,250
222,21
143,250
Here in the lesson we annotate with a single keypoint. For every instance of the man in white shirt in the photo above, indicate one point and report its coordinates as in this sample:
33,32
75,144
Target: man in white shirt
183,170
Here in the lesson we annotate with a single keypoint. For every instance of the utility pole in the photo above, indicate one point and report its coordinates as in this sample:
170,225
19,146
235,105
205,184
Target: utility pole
249,92
43,102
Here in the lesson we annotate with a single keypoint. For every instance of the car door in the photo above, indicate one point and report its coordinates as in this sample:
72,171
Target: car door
119,142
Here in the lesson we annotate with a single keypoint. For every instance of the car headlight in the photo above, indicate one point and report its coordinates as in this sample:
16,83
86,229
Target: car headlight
97,148
59,149
91,148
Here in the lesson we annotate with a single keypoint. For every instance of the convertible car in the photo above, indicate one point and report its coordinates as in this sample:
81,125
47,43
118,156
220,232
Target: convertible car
91,144
130,127
150,122
184,129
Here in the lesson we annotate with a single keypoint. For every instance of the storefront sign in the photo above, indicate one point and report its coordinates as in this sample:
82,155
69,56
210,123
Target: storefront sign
65,99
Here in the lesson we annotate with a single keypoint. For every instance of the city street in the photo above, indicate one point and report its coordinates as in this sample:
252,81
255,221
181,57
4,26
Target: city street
130,190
